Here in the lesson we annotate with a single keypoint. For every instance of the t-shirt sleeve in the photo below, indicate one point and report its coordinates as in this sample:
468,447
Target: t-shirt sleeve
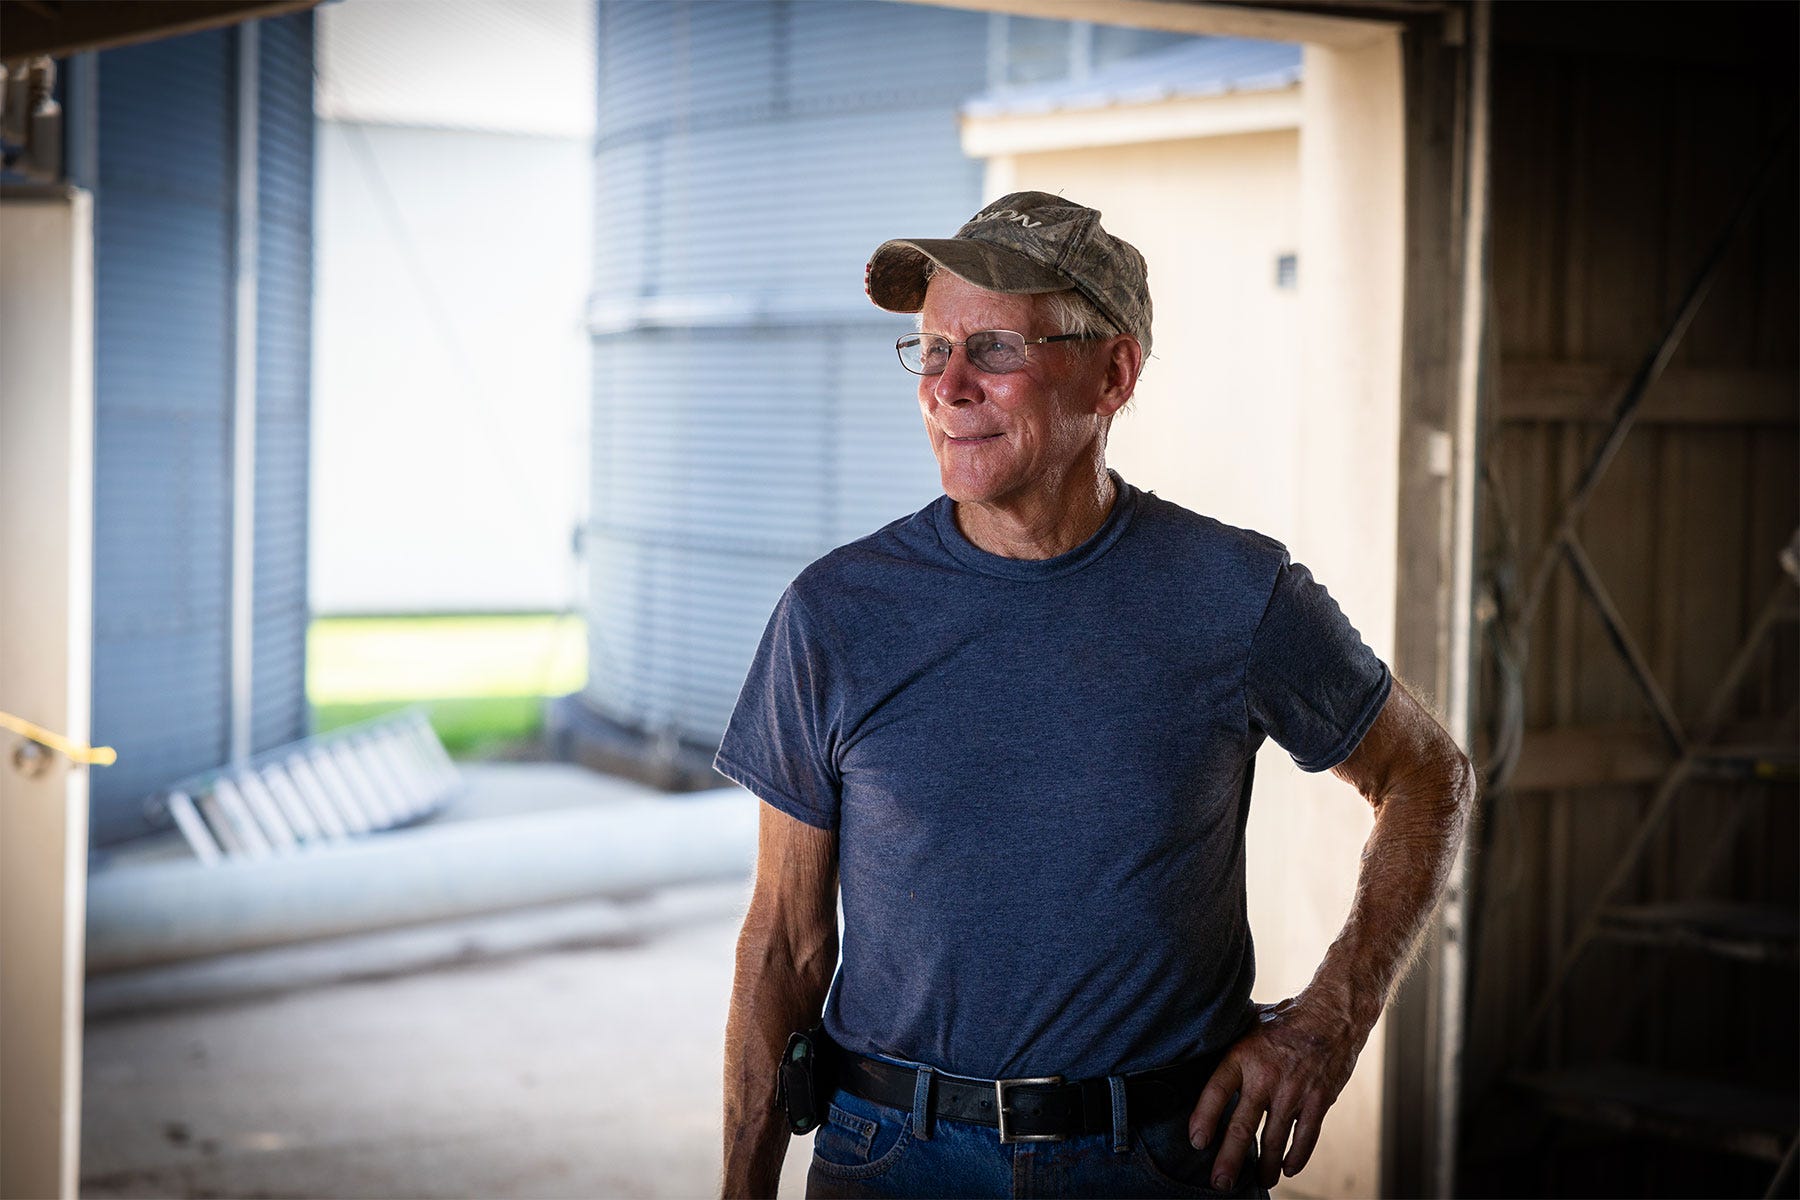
1312,684
779,742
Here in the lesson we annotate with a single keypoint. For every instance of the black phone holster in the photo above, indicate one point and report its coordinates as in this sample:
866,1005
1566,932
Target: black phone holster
803,1085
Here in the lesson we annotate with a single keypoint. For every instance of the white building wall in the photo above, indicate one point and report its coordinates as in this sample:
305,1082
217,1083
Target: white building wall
450,373
451,369
1218,403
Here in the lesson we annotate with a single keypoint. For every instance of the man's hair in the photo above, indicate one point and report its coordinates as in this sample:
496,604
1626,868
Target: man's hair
1072,312
1069,311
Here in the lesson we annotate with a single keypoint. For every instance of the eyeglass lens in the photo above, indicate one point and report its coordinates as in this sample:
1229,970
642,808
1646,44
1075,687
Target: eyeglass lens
992,350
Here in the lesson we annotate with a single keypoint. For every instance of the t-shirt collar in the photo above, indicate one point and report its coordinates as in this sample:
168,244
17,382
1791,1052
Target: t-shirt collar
1118,520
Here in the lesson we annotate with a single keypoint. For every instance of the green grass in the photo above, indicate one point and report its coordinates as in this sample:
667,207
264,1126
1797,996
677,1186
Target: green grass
468,727
481,679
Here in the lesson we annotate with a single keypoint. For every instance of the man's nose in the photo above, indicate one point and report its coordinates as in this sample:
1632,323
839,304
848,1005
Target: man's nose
955,384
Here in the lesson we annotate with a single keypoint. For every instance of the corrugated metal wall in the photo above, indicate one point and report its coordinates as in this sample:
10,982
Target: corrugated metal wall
279,711
162,395
748,413
164,263
1612,176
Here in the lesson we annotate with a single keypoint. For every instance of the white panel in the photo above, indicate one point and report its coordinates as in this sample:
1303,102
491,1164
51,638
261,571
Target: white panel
46,540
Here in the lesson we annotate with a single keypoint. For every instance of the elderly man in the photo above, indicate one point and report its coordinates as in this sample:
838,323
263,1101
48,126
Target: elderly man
1018,728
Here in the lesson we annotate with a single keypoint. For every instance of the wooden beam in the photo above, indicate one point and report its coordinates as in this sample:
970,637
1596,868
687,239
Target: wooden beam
1423,1042
59,28
1589,756
1582,756
1585,391
1752,1122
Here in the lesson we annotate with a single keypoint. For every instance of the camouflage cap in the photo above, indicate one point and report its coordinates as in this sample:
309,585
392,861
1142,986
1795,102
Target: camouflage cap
1025,242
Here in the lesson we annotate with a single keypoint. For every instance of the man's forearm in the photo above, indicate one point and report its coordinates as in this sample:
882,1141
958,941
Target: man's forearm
1289,1070
1421,788
785,959
774,993
1420,814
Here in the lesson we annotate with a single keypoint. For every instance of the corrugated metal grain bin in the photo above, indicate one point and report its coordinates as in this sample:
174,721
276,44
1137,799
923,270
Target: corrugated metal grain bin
748,414
166,246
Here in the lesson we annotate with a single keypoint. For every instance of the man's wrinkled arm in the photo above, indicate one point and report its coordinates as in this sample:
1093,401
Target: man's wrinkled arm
1292,1066
786,955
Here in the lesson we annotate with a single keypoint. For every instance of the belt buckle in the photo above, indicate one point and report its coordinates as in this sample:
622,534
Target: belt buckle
1000,1088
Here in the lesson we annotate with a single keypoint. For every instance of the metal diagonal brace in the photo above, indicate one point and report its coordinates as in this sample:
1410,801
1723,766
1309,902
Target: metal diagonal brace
1635,661
1651,369
1666,791
1783,1172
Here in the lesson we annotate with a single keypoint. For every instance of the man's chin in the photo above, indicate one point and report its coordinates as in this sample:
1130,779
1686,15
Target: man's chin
962,490
971,487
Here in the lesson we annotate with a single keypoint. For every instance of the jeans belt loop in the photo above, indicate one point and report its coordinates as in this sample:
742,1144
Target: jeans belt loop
1120,1121
921,1114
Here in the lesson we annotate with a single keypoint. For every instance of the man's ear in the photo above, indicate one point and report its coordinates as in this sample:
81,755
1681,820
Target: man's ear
1124,359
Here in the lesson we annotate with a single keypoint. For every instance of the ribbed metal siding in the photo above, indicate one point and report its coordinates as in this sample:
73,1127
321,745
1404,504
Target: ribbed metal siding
162,392
283,379
164,242
748,413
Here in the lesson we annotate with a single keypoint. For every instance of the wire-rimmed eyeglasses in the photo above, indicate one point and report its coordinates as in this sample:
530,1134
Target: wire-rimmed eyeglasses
995,351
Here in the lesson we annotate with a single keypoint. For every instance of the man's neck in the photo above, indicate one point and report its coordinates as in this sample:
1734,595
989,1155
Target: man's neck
1042,524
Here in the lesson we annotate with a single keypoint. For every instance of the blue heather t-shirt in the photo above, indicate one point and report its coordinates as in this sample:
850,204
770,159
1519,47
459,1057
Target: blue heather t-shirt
1039,773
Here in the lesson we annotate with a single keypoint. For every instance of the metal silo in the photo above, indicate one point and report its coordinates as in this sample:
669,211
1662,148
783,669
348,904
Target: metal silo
748,414
201,153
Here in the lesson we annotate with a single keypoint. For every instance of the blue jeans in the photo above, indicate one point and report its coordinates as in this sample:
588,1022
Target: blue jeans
868,1149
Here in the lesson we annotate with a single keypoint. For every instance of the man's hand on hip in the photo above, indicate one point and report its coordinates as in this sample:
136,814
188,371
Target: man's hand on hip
1289,1070
1286,1072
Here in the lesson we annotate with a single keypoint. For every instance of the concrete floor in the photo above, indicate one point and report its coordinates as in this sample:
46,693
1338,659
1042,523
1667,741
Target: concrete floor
588,1068
571,1051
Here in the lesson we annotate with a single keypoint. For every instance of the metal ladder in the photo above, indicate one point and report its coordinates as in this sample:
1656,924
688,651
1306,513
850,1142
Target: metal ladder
381,774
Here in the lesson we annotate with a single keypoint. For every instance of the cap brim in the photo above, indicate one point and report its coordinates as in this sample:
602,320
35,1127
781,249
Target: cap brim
897,271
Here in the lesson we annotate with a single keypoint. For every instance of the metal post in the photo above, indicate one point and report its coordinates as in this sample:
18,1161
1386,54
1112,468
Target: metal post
1464,501
243,412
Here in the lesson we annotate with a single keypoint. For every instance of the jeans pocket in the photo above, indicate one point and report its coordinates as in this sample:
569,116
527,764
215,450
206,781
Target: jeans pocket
1166,1155
844,1138
858,1139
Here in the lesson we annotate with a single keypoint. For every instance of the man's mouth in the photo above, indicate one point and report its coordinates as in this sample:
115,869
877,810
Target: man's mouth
972,438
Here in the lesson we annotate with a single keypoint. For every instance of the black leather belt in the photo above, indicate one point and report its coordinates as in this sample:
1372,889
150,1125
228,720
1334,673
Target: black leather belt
1029,1110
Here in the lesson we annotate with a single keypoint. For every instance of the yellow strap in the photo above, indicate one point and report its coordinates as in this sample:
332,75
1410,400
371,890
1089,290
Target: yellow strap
99,756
